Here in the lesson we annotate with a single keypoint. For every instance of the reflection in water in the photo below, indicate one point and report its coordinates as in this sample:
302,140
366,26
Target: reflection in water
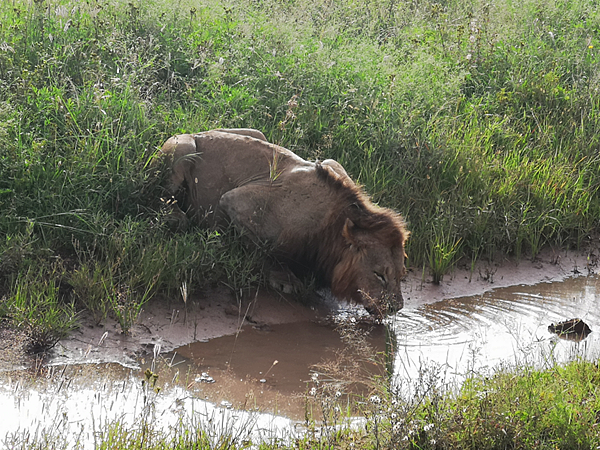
76,406
506,326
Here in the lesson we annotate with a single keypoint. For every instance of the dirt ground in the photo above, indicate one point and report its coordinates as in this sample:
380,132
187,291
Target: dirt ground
166,324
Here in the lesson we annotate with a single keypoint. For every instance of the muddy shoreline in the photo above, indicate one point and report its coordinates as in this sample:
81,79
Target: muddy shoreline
260,353
166,323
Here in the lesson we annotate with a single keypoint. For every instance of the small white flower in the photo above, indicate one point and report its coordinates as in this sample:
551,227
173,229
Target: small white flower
428,427
375,399
338,394
313,391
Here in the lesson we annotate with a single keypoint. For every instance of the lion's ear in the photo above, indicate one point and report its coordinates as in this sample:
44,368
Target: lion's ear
348,232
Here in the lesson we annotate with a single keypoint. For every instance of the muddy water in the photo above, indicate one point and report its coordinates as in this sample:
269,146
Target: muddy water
270,368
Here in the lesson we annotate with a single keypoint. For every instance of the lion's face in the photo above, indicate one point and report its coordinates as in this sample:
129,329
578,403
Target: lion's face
378,278
370,273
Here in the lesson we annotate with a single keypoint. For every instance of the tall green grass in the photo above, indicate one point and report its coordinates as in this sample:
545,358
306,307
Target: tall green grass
477,121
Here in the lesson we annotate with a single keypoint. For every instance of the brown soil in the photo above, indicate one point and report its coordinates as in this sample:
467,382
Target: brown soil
166,324
549,266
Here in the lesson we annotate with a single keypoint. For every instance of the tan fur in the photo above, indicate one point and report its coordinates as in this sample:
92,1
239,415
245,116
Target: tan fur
315,217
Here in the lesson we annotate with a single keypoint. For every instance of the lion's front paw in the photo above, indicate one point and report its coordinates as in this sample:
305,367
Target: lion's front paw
284,281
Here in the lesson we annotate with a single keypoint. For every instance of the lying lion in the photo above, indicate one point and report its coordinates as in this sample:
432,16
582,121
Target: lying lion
313,215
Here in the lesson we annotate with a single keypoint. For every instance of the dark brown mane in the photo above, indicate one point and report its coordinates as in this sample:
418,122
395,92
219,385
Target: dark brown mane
387,224
328,248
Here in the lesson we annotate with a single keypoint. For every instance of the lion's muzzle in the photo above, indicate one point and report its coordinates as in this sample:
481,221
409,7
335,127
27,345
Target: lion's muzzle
382,305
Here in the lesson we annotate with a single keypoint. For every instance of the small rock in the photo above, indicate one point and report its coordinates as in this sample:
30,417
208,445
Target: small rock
573,329
205,378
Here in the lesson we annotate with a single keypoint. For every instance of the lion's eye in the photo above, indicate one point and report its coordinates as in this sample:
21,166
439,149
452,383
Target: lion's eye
380,278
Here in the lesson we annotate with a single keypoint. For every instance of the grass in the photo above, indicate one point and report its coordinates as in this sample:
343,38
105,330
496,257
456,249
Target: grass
38,308
461,111
478,121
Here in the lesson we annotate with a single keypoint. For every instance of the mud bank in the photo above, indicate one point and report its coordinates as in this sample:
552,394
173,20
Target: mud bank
166,324
548,266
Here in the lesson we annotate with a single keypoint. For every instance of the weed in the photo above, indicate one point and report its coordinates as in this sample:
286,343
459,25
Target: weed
36,307
444,249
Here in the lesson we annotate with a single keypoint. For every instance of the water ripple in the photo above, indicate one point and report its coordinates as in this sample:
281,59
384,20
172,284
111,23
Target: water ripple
507,325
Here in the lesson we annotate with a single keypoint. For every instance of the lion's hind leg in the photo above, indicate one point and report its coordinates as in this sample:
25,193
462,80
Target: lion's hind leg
250,209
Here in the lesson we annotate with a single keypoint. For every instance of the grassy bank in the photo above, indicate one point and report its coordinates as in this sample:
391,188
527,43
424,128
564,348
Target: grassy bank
477,121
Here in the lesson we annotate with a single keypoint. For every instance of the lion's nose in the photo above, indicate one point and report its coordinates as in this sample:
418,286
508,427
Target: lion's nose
387,304
395,304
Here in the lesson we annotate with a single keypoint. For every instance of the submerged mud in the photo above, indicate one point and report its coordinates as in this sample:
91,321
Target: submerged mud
272,368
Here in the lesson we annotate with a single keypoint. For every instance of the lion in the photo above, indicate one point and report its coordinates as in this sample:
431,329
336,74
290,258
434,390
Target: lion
314,217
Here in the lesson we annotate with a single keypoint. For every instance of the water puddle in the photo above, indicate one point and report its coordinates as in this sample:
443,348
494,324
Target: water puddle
80,406
270,369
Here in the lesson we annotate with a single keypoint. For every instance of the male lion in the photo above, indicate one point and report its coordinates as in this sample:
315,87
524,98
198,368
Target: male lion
312,214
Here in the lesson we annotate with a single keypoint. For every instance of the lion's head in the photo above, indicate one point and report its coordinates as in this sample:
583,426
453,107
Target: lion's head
372,266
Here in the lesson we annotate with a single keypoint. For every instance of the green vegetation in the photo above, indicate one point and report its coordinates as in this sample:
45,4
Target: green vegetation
478,121
525,409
